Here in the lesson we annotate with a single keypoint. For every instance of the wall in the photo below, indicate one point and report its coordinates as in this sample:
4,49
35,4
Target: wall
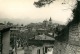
74,34
65,48
33,50
59,48
39,49
72,49
6,42
72,46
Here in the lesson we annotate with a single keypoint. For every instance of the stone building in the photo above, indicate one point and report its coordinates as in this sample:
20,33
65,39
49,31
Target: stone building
45,49
4,39
42,44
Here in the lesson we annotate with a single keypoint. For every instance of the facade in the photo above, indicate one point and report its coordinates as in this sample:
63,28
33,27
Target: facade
42,44
45,49
5,39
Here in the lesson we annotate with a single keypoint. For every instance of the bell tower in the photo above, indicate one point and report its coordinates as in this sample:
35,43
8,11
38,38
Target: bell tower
50,21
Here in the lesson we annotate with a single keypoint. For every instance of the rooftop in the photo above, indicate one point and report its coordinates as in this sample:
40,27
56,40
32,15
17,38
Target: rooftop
2,26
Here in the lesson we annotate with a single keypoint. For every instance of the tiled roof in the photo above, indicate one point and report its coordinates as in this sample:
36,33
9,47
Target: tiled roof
2,27
44,37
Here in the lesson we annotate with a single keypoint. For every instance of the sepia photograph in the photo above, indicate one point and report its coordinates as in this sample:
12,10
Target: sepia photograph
39,26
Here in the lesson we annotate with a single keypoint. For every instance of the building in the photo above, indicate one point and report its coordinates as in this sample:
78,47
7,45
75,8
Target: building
35,49
41,31
43,37
42,44
45,49
4,39
50,22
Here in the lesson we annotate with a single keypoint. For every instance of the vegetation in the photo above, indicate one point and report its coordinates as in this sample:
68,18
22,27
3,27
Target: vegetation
42,3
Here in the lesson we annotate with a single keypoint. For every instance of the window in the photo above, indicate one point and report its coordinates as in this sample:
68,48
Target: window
38,51
46,49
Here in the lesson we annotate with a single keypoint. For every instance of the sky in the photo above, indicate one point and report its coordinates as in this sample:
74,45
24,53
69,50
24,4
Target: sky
23,11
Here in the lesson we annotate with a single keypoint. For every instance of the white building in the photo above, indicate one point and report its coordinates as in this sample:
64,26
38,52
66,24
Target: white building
4,39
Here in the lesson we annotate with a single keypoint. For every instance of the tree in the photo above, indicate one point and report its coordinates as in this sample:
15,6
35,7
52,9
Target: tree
41,3
77,13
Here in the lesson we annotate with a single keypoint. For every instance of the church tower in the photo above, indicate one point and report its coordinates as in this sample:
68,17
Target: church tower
50,26
50,21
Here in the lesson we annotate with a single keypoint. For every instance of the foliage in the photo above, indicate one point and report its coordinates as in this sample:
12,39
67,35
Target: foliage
41,3
77,13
